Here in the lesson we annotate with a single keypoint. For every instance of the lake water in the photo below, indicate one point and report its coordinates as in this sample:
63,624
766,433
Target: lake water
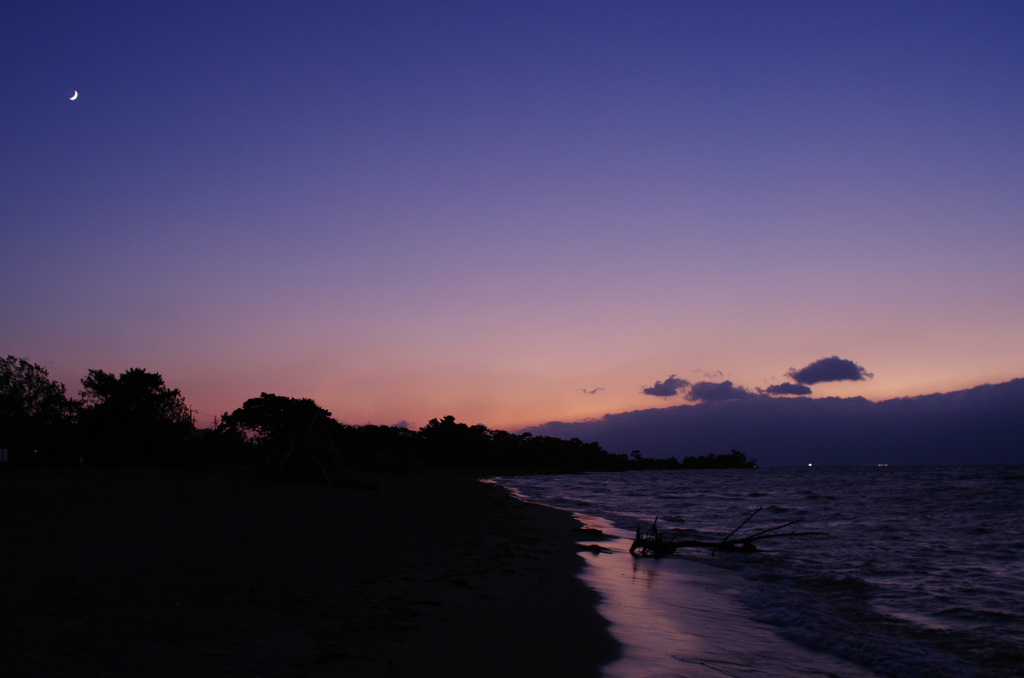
921,572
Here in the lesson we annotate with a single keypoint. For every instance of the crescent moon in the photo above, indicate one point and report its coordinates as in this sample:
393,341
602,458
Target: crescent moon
75,95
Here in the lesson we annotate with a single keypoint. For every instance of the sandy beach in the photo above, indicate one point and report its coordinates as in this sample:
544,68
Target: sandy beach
161,573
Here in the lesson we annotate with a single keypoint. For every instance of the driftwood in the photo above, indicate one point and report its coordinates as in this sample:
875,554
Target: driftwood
652,542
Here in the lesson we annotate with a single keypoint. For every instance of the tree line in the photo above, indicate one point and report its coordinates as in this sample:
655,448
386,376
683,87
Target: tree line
135,419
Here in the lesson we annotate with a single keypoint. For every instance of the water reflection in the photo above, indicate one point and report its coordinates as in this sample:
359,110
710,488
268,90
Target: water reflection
680,618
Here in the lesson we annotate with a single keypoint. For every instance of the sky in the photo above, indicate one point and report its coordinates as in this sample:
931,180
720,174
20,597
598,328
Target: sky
516,212
979,425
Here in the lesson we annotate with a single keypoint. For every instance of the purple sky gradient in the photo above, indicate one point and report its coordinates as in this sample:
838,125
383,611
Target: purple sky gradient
407,210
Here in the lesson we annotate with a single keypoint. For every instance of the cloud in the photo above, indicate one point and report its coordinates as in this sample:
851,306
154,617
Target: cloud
708,375
829,369
402,424
592,392
709,391
981,425
667,388
786,389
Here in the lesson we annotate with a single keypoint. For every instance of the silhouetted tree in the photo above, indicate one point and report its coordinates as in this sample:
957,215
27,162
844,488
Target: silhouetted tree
387,449
287,438
566,456
735,459
133,419
447,443
35,414
508,449
638,462
270,418
264,428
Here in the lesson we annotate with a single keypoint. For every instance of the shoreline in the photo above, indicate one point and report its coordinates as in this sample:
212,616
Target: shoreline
163,572
676,616
679,616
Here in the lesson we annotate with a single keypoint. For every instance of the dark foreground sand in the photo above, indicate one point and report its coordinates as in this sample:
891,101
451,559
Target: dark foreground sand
163,573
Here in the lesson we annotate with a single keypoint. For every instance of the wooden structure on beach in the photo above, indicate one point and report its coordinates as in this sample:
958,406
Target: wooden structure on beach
307,452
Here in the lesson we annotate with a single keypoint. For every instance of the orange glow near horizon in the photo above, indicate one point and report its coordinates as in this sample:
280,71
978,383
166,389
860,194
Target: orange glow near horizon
505,208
